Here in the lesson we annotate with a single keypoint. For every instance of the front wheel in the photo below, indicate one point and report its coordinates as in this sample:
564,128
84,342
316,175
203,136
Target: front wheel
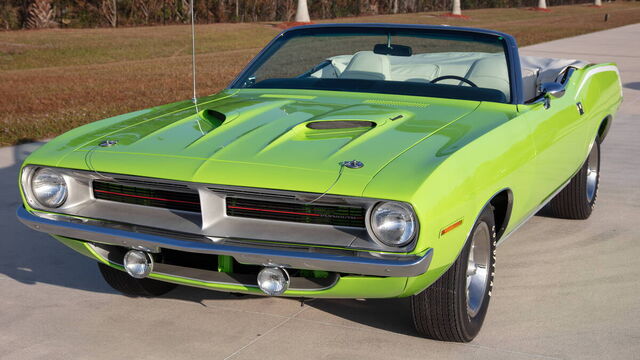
454,307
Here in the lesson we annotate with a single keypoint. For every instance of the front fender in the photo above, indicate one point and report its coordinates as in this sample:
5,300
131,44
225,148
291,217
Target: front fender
452,175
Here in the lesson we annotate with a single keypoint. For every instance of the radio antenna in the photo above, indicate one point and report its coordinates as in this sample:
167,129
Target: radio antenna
193,62
193,53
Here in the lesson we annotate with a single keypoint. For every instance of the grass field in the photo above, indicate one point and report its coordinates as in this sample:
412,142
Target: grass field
54,80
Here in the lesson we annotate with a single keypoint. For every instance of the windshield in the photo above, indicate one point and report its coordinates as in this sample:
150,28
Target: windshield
447,64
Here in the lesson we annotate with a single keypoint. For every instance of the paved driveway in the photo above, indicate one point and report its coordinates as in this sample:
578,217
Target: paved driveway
563,289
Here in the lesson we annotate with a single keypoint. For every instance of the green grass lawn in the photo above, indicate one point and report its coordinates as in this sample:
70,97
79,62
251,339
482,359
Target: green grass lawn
54,80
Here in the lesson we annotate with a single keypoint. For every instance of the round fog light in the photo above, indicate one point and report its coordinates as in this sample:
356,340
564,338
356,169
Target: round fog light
138,263
273,281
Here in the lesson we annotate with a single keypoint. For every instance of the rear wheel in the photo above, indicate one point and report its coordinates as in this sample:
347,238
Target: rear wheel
122,282
454,307
578,198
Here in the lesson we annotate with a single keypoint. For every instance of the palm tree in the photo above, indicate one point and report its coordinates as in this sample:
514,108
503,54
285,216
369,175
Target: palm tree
40,14
456,8
109,10
302,14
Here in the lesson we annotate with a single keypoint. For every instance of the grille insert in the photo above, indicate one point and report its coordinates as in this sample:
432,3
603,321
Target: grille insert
167,199
252,193
302,213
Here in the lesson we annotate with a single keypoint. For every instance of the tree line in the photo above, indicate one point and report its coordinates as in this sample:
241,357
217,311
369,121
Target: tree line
33,14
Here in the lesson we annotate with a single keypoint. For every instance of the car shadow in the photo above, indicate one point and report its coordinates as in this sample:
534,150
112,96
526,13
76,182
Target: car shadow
632,85
392,315
31,258
385,314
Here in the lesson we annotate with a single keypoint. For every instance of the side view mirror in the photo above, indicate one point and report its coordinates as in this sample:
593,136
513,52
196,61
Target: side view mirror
249,82
549,89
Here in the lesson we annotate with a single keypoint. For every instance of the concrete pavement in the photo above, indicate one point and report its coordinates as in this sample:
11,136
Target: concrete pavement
563,289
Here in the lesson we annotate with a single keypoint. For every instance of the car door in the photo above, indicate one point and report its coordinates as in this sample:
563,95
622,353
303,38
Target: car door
559,134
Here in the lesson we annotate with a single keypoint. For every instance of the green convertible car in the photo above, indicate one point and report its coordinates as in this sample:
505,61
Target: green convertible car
345,161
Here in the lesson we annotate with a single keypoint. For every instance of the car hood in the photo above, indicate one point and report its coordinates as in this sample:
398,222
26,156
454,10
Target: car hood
260,139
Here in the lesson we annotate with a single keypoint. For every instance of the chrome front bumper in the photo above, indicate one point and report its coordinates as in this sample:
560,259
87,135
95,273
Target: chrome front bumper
245,252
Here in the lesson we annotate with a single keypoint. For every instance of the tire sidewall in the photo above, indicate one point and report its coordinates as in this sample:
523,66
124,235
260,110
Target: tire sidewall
591,204
471,326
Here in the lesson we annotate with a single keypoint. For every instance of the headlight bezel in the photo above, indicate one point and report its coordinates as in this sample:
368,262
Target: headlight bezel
374,233
29,175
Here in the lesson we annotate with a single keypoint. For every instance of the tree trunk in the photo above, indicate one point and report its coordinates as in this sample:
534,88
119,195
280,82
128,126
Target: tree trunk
395,6
143,7
598,3
542,4
114,13
456,8
302,14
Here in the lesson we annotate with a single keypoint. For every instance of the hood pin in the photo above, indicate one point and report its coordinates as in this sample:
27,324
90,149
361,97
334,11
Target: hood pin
108,143
353,164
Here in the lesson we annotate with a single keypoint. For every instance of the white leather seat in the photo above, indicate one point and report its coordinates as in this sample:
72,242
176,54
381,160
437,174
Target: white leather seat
491,73
367,66
415,72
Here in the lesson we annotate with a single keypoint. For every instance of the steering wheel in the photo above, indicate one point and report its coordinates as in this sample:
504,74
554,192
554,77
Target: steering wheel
453,77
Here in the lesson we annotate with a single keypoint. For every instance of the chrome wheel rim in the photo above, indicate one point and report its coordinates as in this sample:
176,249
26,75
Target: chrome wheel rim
478,268
592,172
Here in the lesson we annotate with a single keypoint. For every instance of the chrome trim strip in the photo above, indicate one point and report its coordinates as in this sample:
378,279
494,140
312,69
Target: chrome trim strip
544,202
364,263
532,213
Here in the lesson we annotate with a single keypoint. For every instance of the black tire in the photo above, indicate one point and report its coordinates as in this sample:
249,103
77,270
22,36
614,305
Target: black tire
441,311
122,282
578,198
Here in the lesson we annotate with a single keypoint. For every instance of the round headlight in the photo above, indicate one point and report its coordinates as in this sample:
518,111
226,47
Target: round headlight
393,223
49,188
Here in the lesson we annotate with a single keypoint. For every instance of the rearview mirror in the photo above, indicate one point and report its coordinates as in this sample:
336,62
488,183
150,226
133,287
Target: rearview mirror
392,49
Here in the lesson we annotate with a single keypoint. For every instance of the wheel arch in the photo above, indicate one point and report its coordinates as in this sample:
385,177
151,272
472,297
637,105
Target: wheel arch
604,127
501,205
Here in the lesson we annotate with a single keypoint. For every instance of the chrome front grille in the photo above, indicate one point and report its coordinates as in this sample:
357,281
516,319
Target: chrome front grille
212,212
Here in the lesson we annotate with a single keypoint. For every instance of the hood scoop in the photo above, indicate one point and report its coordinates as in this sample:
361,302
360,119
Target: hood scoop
213,117
340,124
